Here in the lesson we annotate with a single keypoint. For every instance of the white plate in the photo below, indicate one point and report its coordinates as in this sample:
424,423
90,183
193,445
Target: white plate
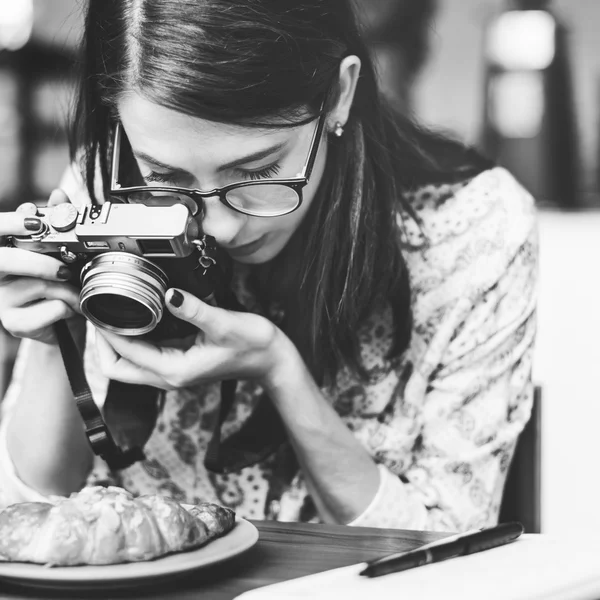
242,537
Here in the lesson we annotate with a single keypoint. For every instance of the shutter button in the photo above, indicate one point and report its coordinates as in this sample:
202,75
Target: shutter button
63,217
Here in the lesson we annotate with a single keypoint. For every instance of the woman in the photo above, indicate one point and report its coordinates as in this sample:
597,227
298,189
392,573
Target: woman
390,314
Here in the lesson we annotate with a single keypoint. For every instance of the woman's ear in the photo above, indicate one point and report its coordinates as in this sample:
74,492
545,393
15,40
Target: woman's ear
349,73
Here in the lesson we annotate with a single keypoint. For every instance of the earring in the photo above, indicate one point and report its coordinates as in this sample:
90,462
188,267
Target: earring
338,129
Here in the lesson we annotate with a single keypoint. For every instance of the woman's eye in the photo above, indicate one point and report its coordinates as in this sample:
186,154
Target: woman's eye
265,173
154,177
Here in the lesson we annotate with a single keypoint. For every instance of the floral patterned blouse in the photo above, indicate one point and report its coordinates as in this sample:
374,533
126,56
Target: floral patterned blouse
441,421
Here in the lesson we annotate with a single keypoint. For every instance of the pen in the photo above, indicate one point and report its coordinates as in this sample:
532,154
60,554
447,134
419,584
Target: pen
456,545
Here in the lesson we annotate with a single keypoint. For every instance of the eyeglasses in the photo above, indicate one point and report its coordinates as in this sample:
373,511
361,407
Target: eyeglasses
270,197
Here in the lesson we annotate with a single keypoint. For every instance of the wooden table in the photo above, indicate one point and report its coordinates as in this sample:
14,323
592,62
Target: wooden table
284,551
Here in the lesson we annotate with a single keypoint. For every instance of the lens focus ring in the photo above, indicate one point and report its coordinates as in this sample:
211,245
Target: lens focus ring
123,293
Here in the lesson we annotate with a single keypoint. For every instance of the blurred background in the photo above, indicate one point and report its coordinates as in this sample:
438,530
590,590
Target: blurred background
520,79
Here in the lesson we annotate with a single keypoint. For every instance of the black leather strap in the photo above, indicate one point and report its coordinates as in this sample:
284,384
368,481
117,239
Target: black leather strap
131,411
259,436
97,432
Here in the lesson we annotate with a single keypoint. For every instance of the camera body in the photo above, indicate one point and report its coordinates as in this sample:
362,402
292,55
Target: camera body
126,256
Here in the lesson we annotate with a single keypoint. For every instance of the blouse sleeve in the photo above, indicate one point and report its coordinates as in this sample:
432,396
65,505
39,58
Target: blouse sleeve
470,391
12,488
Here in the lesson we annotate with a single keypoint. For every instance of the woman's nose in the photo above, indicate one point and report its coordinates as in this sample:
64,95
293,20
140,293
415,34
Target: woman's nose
221,222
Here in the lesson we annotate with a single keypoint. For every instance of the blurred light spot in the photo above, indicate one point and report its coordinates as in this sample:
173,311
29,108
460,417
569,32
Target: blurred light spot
522,40
517,104
52,100
10,128
50,161
16,23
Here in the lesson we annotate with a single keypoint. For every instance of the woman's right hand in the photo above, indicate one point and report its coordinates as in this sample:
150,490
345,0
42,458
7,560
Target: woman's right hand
34,288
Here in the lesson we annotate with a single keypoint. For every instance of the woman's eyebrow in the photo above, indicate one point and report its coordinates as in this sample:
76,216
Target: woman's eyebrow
146,158
234,163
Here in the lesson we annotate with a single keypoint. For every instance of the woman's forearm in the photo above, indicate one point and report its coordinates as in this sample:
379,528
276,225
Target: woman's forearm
45,438
341,476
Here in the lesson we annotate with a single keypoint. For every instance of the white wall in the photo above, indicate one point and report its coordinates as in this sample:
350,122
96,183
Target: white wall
567,365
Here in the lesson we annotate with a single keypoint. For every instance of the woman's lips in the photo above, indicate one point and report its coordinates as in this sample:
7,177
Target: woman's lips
246,249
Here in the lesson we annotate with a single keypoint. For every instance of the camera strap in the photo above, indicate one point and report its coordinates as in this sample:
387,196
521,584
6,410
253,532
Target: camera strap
97,432
259,436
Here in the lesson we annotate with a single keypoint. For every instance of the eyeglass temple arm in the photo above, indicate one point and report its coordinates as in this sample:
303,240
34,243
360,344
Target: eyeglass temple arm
114,184
314,145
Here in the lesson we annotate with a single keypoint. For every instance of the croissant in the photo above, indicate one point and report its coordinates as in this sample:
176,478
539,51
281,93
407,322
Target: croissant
100,526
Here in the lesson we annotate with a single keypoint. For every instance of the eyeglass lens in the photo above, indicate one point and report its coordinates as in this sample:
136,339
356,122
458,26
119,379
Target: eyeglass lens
268,200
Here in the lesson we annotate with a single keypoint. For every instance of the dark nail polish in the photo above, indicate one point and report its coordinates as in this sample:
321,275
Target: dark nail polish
32,224
176,299
64,273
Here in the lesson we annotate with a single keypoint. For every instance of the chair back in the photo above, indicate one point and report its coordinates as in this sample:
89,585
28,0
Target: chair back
521,500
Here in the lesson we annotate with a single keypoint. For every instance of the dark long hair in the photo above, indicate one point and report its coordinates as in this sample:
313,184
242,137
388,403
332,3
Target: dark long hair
260,62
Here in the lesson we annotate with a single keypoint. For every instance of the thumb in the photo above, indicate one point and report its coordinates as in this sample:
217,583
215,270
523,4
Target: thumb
58,196
187,307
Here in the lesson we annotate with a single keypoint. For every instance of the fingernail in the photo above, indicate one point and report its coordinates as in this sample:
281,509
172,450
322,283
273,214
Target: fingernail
176,299
32,224
64,273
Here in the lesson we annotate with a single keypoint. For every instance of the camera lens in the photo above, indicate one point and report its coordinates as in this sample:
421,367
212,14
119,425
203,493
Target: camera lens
123,293
119,312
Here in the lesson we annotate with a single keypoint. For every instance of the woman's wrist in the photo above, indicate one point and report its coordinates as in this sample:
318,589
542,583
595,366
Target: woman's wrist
286,365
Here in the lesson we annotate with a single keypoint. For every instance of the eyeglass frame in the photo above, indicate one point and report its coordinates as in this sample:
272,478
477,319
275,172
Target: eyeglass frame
297,183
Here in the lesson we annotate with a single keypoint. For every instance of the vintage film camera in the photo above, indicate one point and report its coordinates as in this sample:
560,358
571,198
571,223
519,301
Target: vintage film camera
126,257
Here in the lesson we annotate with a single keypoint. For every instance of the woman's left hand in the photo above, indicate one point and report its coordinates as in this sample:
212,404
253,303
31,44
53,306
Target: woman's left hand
229,345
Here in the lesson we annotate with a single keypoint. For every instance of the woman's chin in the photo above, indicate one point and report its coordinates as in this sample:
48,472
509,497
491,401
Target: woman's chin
255,259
